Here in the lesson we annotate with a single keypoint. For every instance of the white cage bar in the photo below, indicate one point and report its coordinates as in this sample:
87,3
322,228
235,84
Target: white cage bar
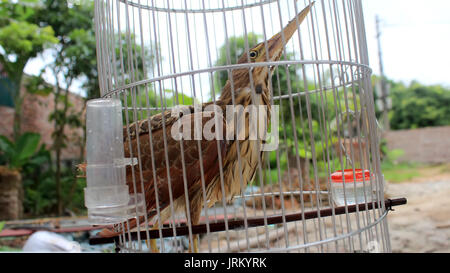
155,55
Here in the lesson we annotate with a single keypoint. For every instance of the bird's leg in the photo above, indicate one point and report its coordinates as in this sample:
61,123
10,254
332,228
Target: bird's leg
194,244
153,245
196,204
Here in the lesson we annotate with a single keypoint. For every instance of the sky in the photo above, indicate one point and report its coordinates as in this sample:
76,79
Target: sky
415,41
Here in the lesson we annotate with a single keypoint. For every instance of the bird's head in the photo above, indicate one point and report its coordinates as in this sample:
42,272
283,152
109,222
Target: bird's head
267,51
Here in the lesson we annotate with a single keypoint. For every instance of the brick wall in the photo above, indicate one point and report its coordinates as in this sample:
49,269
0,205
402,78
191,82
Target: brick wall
36,112
427,145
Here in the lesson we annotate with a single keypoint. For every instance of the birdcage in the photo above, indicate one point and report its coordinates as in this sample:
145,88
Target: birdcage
296,71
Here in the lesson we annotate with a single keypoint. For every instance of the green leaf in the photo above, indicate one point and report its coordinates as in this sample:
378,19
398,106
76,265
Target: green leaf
2,225
26,146
6,146
37,85
38,160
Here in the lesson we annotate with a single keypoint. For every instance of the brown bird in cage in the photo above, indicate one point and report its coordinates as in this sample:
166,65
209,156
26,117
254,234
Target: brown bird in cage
161,164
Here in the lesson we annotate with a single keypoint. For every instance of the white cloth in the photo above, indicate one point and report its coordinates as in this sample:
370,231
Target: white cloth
44,241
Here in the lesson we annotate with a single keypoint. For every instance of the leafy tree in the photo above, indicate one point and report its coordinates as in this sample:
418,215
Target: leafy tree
75,59
419,106
67,32
74,56
21,39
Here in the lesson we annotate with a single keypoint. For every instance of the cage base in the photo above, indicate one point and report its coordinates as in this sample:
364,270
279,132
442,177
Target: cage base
252,222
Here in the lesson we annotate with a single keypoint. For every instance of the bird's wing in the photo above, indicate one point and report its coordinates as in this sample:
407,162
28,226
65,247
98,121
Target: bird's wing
166,164
158,121
153,123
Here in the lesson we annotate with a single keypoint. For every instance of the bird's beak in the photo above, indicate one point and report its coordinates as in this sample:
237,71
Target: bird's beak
275,45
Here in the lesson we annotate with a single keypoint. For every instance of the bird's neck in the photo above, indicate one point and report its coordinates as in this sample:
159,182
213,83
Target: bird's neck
243,96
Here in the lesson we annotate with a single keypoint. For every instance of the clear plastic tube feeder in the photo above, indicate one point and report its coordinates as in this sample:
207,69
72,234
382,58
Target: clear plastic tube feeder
352,187
107,195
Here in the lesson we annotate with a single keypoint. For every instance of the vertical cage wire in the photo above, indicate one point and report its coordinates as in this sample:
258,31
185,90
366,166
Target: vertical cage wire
155,55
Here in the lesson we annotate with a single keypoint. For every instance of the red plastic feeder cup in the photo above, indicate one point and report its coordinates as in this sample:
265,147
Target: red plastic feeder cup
352,187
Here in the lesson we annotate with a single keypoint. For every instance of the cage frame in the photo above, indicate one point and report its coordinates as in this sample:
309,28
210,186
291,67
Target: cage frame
361,77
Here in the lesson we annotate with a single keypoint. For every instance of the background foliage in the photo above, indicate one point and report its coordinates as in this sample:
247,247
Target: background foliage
418,106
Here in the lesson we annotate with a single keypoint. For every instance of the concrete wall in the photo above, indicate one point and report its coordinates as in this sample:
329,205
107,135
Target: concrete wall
427,145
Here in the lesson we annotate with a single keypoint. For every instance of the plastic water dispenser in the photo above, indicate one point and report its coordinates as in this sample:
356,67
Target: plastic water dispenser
107,195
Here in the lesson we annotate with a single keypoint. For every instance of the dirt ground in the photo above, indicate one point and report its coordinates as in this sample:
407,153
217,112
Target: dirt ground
423,225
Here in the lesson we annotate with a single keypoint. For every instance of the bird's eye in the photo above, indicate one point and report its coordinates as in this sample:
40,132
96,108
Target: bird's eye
253,54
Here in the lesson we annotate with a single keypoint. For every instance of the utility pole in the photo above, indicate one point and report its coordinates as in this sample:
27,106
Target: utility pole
384,91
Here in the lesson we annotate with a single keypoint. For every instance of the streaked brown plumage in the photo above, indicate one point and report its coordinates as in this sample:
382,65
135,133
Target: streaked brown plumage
247,90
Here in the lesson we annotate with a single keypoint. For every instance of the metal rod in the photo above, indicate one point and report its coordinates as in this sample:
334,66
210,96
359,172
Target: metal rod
219,9
258,221
364,69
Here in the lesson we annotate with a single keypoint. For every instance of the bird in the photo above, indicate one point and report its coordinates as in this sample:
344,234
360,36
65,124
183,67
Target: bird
227,165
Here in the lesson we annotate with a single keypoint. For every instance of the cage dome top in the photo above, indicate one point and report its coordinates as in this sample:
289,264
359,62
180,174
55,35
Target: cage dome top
195,6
